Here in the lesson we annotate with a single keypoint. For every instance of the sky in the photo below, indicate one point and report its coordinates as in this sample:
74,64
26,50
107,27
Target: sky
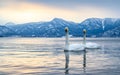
23,11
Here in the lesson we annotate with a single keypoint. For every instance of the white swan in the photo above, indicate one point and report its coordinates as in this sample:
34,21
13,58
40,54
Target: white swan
72,47
89,45
77,47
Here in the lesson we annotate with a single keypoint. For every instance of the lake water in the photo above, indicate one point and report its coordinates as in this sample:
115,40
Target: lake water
46,56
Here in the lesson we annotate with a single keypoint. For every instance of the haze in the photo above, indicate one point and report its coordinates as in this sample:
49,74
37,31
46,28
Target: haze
23,11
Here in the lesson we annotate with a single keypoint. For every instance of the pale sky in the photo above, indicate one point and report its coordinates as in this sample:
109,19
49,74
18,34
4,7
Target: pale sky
23,11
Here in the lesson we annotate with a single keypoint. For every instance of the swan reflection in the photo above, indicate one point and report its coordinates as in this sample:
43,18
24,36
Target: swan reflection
66,63
67,57
84,62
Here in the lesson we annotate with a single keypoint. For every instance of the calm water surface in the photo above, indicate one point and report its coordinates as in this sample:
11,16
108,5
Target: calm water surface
46,56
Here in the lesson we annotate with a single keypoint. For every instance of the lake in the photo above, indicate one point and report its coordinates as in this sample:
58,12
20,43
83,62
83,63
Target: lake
46,56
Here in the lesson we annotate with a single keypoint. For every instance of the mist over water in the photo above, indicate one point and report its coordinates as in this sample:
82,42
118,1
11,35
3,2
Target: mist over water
46,56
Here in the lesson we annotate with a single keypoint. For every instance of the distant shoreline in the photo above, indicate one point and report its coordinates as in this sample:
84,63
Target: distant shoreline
63,37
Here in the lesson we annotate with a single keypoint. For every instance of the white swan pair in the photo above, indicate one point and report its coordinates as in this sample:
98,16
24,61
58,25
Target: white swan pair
77,47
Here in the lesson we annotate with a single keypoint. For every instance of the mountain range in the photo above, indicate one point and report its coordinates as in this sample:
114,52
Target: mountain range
96,27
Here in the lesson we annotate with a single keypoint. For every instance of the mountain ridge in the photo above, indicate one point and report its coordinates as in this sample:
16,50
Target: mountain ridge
96,27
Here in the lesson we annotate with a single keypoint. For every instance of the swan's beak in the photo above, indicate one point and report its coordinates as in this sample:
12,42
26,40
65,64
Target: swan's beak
66,29
84,31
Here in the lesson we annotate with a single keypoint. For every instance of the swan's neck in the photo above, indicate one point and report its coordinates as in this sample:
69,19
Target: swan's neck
84,38
67,40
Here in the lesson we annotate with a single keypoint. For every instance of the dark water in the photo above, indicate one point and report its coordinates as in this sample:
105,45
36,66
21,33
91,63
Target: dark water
46,56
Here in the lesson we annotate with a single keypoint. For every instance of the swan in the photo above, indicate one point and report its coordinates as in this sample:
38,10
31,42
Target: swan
81,46
89,45
71,47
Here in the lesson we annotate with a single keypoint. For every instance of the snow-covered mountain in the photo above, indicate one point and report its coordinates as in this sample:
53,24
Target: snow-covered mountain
54,28
112,33
9,24
95,27
98,27
5,31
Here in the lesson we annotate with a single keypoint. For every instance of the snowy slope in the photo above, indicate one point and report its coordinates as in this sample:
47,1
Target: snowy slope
54,28
4,31
112,33
96,27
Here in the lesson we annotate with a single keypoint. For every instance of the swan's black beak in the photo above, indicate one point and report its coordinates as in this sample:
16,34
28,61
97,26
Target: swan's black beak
84,31
66,29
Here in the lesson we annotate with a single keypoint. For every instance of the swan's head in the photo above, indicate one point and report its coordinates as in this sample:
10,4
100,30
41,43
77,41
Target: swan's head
66,29
84,31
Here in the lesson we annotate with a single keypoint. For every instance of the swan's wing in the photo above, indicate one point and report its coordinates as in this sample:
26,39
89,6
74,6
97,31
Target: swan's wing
76,47
92,45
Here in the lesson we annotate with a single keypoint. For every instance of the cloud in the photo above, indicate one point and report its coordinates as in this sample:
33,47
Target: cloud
27,12
21,11
74,3
2,20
